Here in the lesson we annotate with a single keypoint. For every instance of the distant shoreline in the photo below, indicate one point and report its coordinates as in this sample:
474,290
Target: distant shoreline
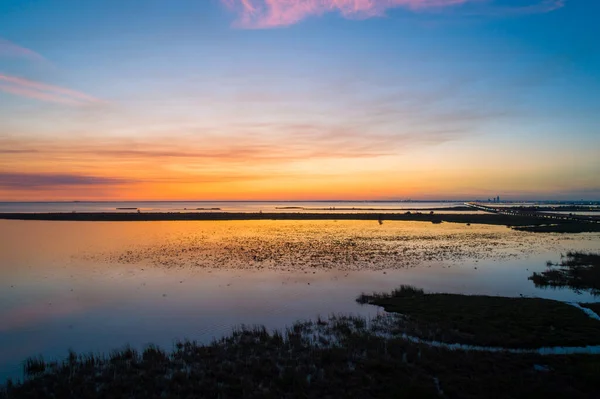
345,209
518,222
426,216
208,216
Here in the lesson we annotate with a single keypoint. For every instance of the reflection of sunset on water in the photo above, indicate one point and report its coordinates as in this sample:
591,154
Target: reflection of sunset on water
91,284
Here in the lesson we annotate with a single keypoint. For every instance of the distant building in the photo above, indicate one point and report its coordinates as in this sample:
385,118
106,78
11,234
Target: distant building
498,199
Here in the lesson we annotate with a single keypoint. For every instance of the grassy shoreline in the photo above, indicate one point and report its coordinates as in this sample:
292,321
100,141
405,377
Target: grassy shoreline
347,356
337,357
520,323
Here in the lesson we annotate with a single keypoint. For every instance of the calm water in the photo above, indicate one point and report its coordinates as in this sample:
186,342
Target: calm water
93,287
224,206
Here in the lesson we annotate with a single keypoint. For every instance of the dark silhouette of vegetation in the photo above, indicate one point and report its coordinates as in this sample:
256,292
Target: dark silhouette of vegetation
579,271
570,227
403,291
34,366
488,321
336,357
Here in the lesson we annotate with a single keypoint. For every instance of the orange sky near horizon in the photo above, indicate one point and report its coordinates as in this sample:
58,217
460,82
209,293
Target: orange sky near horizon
234,168
299,100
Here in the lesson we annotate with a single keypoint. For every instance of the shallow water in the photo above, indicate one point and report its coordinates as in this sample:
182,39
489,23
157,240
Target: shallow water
98,286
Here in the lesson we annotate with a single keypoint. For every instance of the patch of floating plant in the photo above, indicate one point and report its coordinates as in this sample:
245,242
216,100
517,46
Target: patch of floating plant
488,321
323,245
579,271
340,356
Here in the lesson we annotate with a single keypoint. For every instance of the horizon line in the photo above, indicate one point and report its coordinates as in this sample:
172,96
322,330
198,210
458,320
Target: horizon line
306,200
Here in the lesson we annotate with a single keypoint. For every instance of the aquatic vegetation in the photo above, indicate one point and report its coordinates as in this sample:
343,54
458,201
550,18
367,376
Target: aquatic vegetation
321,245
579,271
342,356
403,291
34,366
486,320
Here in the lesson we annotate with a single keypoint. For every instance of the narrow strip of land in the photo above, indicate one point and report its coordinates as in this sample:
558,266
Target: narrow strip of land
518,221
498,219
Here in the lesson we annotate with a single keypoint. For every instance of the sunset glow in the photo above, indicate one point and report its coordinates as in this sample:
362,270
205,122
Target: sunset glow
299,99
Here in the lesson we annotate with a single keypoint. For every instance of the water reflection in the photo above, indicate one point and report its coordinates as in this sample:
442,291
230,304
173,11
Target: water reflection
97,286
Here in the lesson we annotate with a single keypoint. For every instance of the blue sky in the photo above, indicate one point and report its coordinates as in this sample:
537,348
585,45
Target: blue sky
410,98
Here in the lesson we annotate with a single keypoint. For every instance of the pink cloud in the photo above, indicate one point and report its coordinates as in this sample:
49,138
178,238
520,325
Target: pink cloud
276,13
43,92
9,49
273,13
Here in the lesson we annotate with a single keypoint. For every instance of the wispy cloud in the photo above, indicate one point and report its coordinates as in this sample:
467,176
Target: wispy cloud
498,8
35,181
44,92
11,151
249,145
276,13
540,7
10,49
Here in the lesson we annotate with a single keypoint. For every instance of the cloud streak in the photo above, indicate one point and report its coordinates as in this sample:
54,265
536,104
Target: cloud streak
10,49
538,8
254,145
262,14
44,92
36,181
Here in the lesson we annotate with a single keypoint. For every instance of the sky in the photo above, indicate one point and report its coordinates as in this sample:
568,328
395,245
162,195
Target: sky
299,99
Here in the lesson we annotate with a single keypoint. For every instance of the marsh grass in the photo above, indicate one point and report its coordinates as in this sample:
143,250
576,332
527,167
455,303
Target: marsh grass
402,292
34,366
341,356
486,320
579,271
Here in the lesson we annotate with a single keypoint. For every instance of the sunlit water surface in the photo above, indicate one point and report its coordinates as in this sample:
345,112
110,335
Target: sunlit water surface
93,287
